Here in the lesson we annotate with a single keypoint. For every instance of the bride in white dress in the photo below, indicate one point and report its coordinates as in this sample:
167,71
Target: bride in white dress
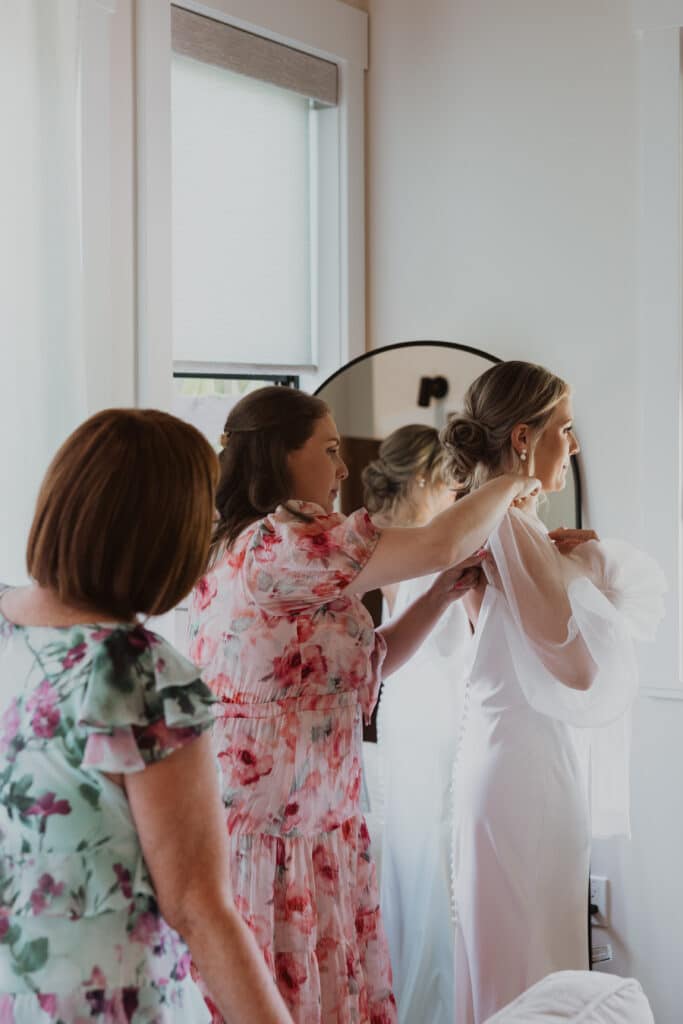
417,727
543,759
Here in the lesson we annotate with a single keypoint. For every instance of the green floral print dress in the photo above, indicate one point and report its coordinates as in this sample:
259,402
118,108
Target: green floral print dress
81,936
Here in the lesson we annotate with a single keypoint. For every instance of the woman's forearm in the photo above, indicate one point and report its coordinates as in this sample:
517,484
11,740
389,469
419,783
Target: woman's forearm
404,553
233,967
459,530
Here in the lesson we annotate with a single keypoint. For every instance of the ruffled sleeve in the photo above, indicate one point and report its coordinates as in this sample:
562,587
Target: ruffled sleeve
292,563
572,649
570,622
631,581
140,702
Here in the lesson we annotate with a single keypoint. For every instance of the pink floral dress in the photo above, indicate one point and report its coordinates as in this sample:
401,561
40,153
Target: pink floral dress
295,663
81,936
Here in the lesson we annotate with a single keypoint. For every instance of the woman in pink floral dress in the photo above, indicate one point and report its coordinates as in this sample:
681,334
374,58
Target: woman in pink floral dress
288,648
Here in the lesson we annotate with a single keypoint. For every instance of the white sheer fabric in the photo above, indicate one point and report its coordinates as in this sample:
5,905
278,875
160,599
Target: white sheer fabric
42,361
570,621
549,624
418,726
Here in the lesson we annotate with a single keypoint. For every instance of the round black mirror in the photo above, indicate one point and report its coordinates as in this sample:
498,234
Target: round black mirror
415,382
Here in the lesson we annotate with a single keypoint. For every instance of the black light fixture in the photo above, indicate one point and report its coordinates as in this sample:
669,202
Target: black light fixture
431,387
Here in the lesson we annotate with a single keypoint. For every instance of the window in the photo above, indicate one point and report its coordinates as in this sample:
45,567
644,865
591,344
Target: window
241,218
205,401
251,283
325,56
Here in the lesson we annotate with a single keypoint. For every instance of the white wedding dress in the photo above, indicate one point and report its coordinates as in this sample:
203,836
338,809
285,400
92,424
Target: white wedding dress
418,725
542,766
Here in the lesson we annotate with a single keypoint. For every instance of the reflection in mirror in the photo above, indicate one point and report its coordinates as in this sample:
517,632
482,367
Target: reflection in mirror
405,393
414,382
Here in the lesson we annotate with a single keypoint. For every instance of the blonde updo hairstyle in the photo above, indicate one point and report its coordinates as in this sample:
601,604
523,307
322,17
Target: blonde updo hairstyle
478,440
409,458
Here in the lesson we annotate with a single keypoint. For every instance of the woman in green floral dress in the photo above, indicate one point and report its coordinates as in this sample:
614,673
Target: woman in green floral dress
112,843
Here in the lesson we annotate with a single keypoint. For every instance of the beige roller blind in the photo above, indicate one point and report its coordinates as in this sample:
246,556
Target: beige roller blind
214,42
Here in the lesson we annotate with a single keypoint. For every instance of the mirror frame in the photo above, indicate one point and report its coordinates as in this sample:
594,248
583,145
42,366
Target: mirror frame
578,497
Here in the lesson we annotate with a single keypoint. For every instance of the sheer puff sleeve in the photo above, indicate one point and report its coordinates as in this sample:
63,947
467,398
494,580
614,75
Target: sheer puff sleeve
141,701
570,623
292,564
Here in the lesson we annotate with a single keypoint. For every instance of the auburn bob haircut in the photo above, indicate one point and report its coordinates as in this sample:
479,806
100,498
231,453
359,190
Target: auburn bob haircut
124,515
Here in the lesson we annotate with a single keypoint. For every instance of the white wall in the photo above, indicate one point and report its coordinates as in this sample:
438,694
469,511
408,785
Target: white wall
502,212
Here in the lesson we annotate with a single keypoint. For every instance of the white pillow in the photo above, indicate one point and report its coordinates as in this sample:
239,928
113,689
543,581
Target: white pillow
582,997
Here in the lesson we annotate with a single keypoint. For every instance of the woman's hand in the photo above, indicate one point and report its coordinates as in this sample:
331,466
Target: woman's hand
565,540
529,487
405,633
452,584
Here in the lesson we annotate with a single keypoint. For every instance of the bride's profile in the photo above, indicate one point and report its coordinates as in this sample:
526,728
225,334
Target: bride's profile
543,759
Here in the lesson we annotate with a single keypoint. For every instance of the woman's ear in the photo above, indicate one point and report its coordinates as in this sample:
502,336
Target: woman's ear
519,438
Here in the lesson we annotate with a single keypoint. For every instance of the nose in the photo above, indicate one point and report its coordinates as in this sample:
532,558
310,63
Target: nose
575,447
342,470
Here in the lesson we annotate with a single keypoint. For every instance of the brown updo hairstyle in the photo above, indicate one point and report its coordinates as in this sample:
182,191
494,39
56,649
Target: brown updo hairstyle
260,432
478,439
410,453
124,514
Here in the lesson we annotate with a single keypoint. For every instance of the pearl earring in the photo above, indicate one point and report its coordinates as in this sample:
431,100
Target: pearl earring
421,482
522,456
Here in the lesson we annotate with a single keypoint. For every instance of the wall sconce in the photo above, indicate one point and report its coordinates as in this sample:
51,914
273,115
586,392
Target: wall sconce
431,387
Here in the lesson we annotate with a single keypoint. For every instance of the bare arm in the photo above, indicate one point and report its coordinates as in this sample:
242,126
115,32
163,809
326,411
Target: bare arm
406,632
404,553
179,817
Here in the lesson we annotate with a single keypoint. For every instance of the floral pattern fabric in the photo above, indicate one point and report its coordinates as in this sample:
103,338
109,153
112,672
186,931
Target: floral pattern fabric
81,936
295,663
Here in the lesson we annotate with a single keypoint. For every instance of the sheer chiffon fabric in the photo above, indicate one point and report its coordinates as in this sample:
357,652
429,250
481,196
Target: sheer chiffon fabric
418,725
570,621
543,762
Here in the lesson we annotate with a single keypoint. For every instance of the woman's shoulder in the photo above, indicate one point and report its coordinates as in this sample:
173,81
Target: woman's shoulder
107,666
137,679
135,642
303,527
292,519
302,517
114,661
79,644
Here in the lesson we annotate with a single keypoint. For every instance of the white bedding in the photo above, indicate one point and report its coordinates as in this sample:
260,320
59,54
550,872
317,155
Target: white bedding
582,997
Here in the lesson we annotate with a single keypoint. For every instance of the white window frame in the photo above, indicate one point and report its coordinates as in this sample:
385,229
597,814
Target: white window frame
326,28
107,162
658,25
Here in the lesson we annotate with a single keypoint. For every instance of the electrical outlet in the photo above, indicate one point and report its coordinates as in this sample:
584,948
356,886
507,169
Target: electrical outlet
598,893
601,954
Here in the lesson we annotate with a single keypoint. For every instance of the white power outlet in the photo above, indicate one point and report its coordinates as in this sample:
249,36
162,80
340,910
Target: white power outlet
598,892
601,954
